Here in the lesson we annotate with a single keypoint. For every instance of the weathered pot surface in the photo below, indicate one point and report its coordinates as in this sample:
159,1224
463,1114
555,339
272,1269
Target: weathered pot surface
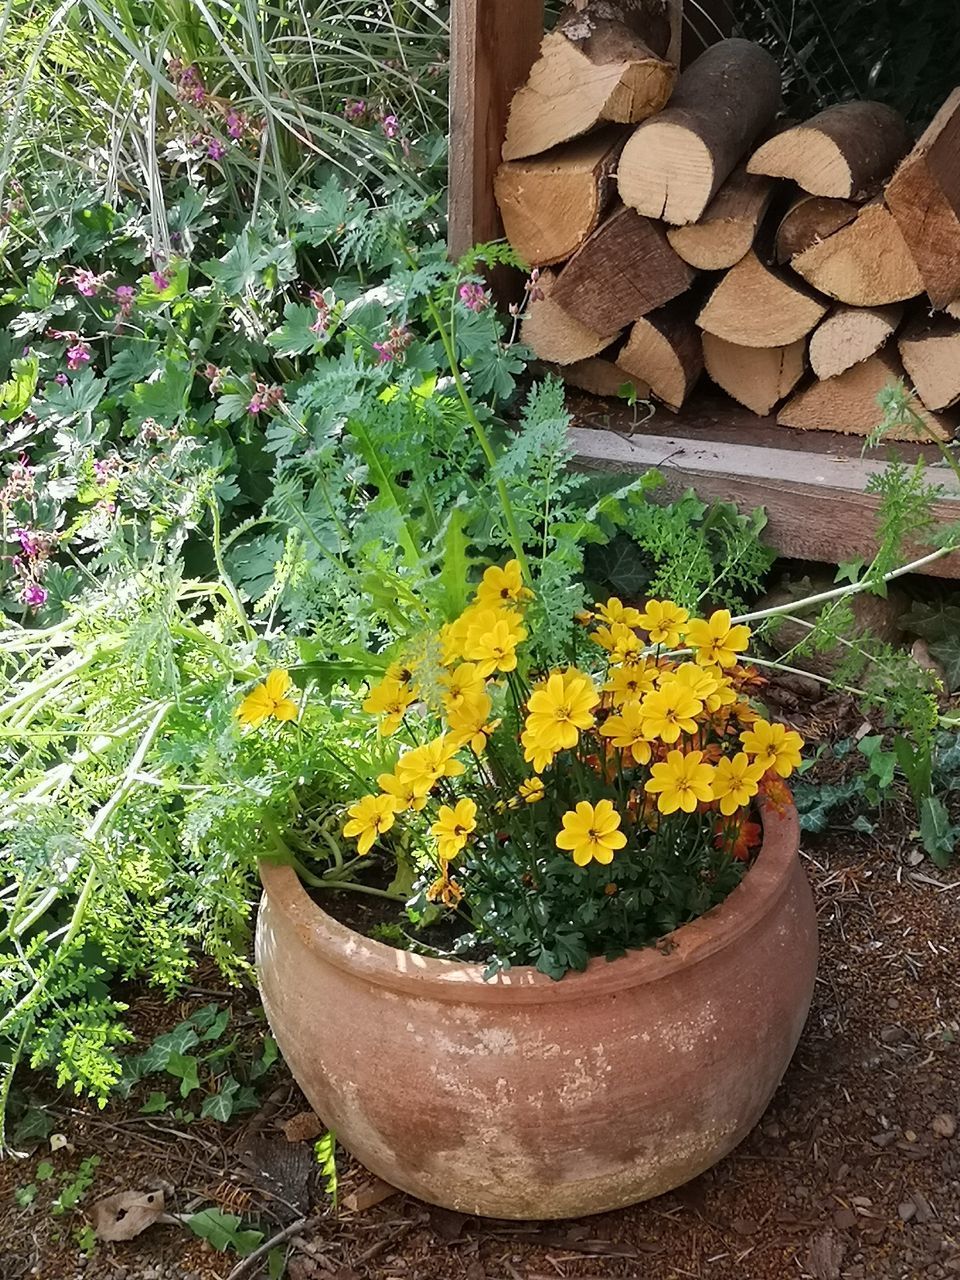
529,1098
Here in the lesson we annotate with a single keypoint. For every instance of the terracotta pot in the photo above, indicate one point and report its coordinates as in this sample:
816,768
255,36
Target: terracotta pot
529,1098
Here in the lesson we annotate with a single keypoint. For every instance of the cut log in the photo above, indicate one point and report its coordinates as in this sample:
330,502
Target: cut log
758,377
758,306
924,195
553,335
849,403
864,264
846,151
551,203
953,309
602,376
675,164
658,23
624,270
664,349
810,220
592,69
849,335
930,350
728,227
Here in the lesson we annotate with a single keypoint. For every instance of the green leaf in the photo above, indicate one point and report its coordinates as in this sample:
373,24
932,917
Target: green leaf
454,573
80,395
325,1153
17,392
252,262
156,1057
44,1171
41,288
184,1068
296,335
267,1058
164,399
938,835
220,1106
177,275
155,1103
25,1196
217,1027
276,1264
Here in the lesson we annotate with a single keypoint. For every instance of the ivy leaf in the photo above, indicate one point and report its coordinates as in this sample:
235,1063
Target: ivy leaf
177,1041
155,1103
267,1058
217,1027
184,1068
223,1231
297,334
220,1106
938,835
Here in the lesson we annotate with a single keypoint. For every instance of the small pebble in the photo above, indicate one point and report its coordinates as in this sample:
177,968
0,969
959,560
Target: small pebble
907,1210
944,1125
892,1035
909,1135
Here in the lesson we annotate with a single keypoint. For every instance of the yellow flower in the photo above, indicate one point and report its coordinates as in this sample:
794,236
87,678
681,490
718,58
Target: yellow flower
424,766
402,792
535,752
626,732
592,832
268,701
774,746
532,790
627,684
462,683
717,643
501,587
402,672
370,817
388,700
623,645
670,711
664,622
681,781
616,611
492,639
469,722
709,684
560,707
736,780
453,826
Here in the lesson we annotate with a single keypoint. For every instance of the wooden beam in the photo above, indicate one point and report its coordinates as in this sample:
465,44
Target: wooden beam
493,44
816,502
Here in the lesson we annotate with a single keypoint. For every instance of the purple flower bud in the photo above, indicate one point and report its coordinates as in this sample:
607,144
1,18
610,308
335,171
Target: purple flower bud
473,297
384,352
355,110
236,124
390,126
86,282
160,281
29,544
61,380
78,355
215,149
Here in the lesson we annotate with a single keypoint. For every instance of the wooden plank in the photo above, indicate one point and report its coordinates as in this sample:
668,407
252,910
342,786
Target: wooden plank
816,503
493,44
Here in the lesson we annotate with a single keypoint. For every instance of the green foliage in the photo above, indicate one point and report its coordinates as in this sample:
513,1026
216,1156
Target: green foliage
325,1154
224,1231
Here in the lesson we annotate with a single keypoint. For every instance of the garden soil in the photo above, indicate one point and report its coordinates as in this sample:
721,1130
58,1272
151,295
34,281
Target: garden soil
853,1173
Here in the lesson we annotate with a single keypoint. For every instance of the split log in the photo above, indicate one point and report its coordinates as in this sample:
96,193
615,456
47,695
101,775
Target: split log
675,164
953,309
850,335
849,403
930,350
728,227
664,350
864,264
551,203
810,220
758,377
602,376
596,66
554,335
846,151
924,195
625,269
758,306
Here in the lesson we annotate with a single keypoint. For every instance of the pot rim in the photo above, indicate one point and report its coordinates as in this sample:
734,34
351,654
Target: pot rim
453,981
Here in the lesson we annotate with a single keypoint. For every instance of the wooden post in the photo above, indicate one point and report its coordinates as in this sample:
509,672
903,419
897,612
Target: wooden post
493,45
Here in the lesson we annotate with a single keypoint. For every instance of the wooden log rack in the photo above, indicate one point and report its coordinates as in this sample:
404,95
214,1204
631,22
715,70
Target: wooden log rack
814,486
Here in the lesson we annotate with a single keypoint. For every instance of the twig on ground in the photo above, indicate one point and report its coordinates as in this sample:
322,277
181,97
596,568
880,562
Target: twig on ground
246,1265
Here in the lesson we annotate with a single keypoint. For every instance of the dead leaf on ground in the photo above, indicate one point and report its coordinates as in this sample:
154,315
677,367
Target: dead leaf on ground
825,1256
368,1194
123,1216
303,1127
447,1224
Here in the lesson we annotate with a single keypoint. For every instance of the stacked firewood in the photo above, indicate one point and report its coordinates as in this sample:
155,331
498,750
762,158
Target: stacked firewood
677,224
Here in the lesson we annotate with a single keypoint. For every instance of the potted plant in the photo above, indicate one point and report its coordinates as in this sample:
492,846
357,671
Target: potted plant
607,849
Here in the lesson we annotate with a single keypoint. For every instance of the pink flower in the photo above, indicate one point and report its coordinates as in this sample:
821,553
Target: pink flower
395,345
30,545
384,352
160,281
473,297
78,355
215,149
236,124
124,295
61,380
86,282
355,110
264,398
33,595
390,126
